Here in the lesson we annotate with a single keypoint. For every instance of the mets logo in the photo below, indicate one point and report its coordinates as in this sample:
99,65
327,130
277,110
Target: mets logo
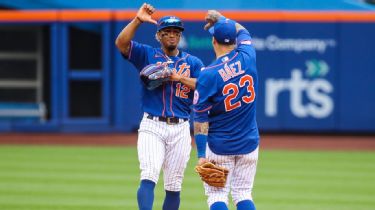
183,70
196,97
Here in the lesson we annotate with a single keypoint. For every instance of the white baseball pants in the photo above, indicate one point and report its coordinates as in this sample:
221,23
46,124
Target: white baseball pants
163,146
242,169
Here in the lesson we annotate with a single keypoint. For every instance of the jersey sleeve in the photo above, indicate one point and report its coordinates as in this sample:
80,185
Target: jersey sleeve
205,89
243,35
244,42
138,54
197,67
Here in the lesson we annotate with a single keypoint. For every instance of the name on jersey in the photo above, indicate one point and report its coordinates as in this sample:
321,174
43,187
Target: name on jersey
230,71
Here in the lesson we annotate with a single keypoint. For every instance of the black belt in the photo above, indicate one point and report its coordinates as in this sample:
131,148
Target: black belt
168,120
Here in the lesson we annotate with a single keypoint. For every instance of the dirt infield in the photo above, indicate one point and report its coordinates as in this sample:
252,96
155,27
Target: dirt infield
268,141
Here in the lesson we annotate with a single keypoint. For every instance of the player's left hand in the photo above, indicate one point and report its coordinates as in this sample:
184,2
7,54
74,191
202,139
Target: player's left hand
201,161
212,174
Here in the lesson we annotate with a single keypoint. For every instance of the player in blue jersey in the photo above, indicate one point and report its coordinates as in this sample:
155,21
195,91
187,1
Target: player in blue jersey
164,140
224,112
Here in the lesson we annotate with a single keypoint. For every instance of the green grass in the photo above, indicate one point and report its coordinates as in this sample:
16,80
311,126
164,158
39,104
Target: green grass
98,178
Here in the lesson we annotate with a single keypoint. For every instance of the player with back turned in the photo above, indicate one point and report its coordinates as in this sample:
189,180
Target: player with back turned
225,96
164,140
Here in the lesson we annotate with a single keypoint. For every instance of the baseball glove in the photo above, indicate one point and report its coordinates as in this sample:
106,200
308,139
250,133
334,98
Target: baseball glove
154,75
212,174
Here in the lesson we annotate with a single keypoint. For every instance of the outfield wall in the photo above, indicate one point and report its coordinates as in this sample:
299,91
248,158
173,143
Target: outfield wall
316,69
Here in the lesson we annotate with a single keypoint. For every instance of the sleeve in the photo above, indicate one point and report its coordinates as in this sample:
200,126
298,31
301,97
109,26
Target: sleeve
138,54
242,36
205,88
244,42
197,67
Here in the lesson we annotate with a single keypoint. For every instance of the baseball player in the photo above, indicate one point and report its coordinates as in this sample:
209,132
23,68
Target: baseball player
164,140
224,112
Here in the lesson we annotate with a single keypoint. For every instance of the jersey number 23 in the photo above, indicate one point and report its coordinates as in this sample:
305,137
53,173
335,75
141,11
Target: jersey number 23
231,91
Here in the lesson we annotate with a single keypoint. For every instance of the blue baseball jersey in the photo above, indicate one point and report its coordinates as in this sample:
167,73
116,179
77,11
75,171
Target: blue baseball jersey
172,99
225,97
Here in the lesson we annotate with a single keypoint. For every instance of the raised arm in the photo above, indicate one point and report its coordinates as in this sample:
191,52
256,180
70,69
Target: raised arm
126,35
213,16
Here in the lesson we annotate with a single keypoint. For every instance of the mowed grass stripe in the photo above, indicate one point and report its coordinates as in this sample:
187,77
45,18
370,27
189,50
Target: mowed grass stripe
38,175
290,178
107,178
307,205
61,199
325,164
73,155
333,172
72,191
80,153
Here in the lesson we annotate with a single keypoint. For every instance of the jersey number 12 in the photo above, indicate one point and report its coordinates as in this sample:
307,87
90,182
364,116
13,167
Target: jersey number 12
231,91
182,91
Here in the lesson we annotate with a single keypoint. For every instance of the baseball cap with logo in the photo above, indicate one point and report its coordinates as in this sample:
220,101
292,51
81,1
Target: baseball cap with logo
170,21
224,31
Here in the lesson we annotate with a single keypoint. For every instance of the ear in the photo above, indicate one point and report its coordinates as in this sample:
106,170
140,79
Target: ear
214,42
157,36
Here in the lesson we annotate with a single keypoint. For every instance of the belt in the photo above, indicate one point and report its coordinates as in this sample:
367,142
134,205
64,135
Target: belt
168,120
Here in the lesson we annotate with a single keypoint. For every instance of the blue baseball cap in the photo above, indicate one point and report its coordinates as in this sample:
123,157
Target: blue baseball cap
224,31
170,21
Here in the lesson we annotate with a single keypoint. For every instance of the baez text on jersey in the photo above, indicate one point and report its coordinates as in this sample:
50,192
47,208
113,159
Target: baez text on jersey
230,71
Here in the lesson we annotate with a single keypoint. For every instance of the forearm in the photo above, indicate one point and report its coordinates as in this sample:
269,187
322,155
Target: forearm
190,82
200,134
126,35
239,27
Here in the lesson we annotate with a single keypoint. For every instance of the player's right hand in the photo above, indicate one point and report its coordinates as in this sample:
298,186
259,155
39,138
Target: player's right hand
211,18
144,13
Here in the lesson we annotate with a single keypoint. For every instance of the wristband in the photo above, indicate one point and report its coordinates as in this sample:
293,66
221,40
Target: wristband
200,141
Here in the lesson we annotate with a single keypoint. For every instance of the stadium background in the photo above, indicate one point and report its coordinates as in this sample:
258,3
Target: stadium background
62,82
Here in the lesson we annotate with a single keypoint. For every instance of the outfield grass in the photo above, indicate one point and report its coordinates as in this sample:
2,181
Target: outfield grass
96,178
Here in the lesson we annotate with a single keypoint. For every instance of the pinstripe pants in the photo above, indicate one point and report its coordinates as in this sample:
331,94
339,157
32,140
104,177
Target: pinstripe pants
242,169
163,146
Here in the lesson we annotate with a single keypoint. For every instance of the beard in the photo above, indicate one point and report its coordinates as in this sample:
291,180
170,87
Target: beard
171,47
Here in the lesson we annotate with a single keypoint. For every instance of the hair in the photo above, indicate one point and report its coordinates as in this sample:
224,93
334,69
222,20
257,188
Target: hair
224,44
